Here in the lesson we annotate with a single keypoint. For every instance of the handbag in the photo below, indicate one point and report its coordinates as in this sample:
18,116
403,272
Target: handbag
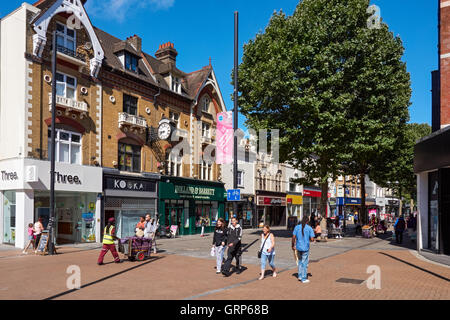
260,251
213,252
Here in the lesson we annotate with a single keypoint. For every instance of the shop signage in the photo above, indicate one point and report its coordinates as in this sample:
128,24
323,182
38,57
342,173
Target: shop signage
393,202
197,191
130,185
294,199
348,201
271,201
234,195
66,178
9,176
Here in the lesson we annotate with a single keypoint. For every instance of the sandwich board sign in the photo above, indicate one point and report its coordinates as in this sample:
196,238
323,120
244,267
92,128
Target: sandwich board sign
43,243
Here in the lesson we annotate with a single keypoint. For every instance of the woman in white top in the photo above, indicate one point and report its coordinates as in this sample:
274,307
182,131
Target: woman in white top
38,228
267,251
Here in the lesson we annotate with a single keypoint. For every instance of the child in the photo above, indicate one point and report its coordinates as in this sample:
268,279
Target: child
318,231
30,238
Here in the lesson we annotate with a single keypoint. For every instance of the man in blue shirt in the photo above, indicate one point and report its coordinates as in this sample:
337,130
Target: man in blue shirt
302,234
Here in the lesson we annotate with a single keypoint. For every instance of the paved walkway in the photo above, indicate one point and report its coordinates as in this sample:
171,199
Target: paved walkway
183,269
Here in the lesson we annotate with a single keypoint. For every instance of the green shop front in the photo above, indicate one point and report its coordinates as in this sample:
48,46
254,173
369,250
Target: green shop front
186,202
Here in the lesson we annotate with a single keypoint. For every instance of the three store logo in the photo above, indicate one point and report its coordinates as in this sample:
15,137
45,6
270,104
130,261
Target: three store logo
122,184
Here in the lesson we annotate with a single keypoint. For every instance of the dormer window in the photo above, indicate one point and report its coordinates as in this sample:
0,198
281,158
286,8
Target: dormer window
131,62
65,37
176,84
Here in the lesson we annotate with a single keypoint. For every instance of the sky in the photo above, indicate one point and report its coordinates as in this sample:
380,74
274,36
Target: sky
204,29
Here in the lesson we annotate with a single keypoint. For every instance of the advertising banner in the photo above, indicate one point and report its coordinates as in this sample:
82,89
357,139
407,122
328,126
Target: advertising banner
224,138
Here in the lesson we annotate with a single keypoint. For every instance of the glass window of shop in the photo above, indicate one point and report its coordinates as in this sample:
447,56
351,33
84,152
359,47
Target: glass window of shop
127,212
177,213
208,211
433,215
311,205
9,217
75,215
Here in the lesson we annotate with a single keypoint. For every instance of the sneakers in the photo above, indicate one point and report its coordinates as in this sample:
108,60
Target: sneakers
260,278
218,272
274,275
306,281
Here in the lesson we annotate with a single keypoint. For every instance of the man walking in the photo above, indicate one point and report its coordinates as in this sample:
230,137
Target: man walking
303,233
108,242
150,230
234,237
399,226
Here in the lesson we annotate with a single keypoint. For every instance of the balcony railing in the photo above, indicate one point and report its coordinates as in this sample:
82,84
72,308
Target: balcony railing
131,120
69,104
70,53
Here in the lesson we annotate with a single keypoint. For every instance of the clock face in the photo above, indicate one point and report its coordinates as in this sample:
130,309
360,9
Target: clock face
164,131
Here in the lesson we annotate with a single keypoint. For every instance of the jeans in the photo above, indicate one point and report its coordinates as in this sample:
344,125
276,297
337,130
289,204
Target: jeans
233,252
220,250
265,258
399,236
303,260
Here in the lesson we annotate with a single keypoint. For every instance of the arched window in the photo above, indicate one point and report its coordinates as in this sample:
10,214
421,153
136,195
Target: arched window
205,103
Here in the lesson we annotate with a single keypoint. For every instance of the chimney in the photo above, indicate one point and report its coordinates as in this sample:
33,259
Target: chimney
136,42
167,53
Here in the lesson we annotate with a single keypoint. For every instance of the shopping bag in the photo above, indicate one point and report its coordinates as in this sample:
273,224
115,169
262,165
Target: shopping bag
213,252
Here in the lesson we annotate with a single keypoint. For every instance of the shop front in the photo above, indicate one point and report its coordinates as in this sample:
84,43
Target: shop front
271,208
25,197
294,204
311,201
393,207
187,203
127,197
349,206
246,210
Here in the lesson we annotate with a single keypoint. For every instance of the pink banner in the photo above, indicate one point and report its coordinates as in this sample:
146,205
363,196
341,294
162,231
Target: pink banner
224,138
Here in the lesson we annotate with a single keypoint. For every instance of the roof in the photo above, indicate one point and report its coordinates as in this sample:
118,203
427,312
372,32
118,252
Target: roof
191,82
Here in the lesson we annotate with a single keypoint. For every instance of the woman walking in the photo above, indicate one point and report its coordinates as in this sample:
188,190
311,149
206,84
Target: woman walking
38,228
219,242
30,238
267,251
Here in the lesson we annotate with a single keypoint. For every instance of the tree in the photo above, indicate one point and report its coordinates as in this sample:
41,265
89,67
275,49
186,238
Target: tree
398,174
309,74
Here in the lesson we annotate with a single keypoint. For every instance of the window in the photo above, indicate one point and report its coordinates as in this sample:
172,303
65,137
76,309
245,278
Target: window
131,62
65,37
130,104
66,86
67,146
206,171
205,104
240,178
176,84
205,130
176,165
174,117
129,157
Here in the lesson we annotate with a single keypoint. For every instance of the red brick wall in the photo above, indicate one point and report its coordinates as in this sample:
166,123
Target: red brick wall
445,61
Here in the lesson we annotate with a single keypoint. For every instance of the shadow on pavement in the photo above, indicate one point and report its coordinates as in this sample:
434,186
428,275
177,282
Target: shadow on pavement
417,267
104,278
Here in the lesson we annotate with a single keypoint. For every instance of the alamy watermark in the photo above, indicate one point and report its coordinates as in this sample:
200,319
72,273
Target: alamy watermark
374,281
74,280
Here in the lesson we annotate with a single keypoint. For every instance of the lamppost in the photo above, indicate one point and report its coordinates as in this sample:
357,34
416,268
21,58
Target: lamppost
235,111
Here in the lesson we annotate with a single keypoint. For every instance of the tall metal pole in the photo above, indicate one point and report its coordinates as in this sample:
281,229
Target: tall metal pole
235,112
345,200
51,224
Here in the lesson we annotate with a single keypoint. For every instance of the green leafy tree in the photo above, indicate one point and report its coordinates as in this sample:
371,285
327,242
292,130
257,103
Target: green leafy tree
310,74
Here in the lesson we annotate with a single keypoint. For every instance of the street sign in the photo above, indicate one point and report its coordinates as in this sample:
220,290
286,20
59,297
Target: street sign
234,195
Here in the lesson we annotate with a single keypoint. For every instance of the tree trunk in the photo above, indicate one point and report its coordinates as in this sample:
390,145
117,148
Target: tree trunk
363,213
324,199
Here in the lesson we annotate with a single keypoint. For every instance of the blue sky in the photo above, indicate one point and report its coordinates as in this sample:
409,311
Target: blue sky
204,28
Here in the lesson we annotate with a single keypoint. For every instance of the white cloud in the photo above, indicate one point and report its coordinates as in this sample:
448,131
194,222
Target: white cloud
119,9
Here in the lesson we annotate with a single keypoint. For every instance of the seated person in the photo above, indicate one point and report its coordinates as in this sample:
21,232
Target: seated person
140,227
318,230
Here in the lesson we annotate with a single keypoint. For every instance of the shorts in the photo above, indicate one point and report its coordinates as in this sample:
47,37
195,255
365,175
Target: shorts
30,237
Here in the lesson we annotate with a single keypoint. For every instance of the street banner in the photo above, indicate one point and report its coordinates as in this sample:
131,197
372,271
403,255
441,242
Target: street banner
224,138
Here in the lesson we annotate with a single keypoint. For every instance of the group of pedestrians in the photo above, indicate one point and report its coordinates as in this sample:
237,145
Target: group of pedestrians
34,235
230,238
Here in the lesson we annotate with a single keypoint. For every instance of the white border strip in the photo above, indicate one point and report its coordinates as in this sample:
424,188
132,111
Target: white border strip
445,56
445,4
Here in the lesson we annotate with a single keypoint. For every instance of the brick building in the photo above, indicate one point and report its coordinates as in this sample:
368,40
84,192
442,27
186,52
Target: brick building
123,119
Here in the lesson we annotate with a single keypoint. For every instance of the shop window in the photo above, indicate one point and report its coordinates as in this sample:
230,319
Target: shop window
130,104
65,37
67,146
129,157
203,211
66,86
9,217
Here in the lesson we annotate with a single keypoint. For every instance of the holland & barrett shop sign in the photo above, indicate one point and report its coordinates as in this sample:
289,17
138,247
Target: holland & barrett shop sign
195,192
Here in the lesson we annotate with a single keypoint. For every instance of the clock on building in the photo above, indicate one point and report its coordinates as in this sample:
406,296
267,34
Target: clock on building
164,129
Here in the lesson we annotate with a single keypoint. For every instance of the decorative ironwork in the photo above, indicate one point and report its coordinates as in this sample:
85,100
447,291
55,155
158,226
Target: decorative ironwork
71,53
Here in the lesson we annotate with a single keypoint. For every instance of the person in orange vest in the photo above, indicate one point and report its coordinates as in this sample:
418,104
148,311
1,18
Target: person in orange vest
108,242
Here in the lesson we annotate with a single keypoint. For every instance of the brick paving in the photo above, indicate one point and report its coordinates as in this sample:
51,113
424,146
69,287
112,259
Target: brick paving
183,269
